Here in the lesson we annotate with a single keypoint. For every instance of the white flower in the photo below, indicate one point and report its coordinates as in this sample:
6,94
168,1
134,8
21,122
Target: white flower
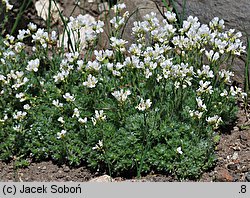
205,87
91,81
232,91
121,95
19,115
2,78
57,103
76,113
200,104
99,145
215,120
22,33
19,46
118,44
110,66
99,115
68,97
80,65
196,114
116,73
83,120
53,36
26,107
144,105
179,150
226,75
4,118
224,93
93,66
17,128
61,76
93,121
216,23
8,5
33,65
98,26
171,16
206,72
60,119
148,73
118,7
41,37
61,135
32,26
21,96
212,56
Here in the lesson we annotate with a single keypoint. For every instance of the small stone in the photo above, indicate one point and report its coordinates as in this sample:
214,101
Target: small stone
223,175
67,178
236,128
44,168
66,169
243,137
104,178
244,169
235,156
232,166
248,177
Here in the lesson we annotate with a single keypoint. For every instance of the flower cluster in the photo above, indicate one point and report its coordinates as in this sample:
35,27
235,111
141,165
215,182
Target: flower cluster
33,65
121,95
144,105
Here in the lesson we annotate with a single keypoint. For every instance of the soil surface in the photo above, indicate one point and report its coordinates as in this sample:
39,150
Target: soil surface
233,156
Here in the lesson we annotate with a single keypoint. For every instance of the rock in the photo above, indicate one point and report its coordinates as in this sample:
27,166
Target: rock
235,14
248,177
103,178
42,7
223,175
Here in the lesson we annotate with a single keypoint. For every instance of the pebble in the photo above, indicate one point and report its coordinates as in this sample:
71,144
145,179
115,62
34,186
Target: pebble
248,177
59,176
104,178
232,166
66,169
235,156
